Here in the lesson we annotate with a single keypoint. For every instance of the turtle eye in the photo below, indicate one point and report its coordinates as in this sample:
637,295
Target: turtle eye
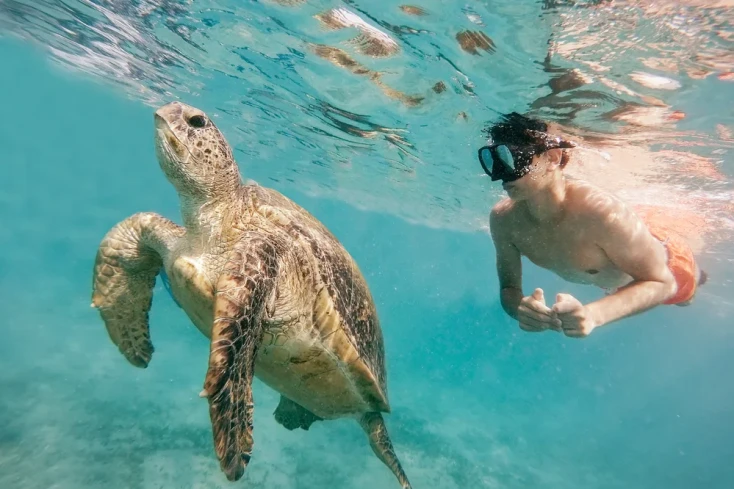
197,121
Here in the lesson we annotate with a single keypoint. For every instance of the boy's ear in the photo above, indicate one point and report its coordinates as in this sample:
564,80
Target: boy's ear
554,156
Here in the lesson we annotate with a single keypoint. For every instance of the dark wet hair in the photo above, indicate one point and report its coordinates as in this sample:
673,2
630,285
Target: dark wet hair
521,130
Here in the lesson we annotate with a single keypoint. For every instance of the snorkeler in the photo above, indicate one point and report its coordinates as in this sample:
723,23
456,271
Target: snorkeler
577,231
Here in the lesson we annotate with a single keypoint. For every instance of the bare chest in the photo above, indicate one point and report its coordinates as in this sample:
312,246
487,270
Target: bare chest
569,251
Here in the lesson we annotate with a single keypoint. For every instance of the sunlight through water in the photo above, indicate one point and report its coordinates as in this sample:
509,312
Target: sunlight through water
357,101
381,105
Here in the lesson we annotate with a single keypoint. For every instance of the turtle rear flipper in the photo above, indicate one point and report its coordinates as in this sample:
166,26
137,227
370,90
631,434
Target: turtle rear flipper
292,415
374,425
128,260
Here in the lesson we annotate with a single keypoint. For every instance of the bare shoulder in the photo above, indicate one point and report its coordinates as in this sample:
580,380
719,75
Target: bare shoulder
501,216
590,203
503,209
607,219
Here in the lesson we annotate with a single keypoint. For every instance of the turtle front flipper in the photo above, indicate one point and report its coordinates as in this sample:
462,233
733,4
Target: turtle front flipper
292,415
374,425
243,288
128,260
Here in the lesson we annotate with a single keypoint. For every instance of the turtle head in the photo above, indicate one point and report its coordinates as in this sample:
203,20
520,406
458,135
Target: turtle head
193,154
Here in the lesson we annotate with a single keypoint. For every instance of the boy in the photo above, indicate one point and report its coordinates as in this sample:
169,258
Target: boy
579,232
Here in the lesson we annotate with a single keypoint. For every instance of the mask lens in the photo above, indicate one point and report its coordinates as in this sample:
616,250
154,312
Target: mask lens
498,162
505,156
485,158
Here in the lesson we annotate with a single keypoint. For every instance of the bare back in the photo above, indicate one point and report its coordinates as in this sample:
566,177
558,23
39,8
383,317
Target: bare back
597,240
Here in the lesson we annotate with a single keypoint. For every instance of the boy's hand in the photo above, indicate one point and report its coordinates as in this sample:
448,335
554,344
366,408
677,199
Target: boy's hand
534,316
576,322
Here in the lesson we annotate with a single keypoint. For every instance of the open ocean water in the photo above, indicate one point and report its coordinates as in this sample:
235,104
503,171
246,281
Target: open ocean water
374,130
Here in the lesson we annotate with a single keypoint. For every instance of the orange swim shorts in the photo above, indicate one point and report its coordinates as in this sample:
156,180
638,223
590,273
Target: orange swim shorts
681,262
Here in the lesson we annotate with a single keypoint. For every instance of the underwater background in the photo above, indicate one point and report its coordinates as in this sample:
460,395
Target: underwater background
647,402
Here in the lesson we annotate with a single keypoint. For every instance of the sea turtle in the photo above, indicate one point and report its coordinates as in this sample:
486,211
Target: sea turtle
275,292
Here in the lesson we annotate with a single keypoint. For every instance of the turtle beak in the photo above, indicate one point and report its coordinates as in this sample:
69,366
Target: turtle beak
159,120
165,136
170,111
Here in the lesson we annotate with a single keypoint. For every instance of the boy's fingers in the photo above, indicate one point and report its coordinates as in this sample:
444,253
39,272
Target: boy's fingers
563,297
538,315
538,295
531,324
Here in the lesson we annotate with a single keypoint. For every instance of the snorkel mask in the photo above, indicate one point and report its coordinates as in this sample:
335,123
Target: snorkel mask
513,142
508,161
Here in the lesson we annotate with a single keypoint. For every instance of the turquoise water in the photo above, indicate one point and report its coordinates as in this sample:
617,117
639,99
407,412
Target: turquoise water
645,403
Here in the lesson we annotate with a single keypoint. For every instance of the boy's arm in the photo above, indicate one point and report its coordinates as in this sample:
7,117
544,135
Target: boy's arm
628,244
531,312
509,264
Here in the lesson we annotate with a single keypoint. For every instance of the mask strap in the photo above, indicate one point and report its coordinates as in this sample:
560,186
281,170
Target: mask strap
574,145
